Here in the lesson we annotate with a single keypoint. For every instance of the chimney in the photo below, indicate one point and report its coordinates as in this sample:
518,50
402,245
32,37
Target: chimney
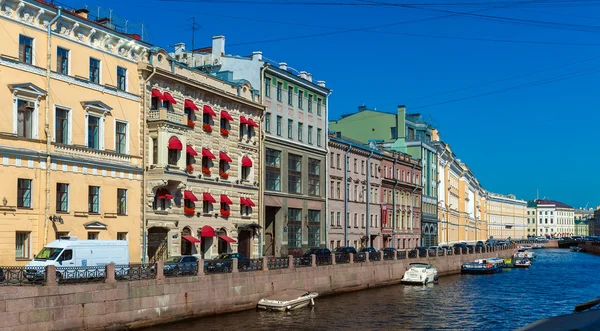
83,13
309,77
179,48
401,122
321,83
362,108
218,48
282,65
303,75
257,55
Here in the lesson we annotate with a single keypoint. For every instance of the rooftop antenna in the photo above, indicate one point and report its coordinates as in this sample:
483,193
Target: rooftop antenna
537,193
193,26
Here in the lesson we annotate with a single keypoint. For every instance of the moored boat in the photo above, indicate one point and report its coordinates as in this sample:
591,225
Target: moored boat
494,260
525,255
475,268
420,274
287,300
522,263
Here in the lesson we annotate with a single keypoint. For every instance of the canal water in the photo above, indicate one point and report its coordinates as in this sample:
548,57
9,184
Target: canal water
555,283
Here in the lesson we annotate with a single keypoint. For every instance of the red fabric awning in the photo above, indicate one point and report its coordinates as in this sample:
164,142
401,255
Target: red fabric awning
175,143
208,154
250,203
169,97
227,239
207,197
190,104
208,110
207,231
191,239
251,122
189,195
243,120
156,93
191,151
246,162
225,199
225,115
224,157
244,201
165,195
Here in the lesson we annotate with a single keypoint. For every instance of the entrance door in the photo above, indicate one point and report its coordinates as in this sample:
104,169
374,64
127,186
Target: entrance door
157,246
244,238
270,216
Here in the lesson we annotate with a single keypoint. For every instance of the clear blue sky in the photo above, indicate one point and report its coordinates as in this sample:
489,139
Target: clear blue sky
533,137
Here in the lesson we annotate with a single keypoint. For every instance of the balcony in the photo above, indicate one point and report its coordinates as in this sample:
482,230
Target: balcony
82,151
162,114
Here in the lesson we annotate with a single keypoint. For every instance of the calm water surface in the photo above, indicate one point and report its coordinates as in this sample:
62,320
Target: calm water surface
555,283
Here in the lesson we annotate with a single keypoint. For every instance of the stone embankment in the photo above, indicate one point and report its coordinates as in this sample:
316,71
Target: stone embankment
118,304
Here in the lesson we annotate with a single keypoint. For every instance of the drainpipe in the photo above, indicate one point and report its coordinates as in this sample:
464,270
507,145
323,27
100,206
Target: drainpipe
261,162
47,121
326,143
394,222
347,188
412,199
145,166
369,199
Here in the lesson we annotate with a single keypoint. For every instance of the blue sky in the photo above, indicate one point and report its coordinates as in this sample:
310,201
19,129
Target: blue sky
538,135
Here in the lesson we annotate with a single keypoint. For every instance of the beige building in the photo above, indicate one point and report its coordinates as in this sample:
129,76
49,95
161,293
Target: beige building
507,216
69,142
203,154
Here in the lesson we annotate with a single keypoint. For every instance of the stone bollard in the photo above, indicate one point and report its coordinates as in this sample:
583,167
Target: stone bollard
351,258
395,255
313,260
160,268
290,261
380,255
265,263
234,265
332,258
200,268
51,275
366,257
109,273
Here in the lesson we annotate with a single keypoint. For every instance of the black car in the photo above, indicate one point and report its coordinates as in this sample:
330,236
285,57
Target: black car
318,252
223,262
180,265
388,249
368,250
346,249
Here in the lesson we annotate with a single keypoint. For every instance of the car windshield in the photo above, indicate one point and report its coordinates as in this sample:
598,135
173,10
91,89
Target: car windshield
311,251
48,253
173,259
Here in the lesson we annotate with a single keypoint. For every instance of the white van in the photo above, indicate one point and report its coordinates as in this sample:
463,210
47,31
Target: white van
78,258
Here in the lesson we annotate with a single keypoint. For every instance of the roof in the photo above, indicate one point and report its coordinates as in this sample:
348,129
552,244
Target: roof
553,202
532,204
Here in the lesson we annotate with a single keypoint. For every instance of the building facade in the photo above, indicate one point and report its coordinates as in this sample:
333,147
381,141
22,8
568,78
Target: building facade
203,154
532,224
506,216
583,218
70,141
554,219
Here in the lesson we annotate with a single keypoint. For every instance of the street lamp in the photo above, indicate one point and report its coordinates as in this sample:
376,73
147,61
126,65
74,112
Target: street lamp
56,219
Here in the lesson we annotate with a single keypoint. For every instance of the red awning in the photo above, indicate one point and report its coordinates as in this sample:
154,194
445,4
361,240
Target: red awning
208,154
250,203
224,157
225,115
208,110
243,201
225,199
191,151
169,97
227,239
243,120
156,93
190,196
191,239
251,122
175,143
207,197
246,162
190,104
165,195
207,231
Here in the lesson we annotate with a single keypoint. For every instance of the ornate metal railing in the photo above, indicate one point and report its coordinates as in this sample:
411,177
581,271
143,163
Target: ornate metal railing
400,255
217,266
471,250
441,252
448,251
80,275
360,257
422,253
324,260
465,250
250,264
412,254
302,261
278,263
180,269
374,256
457,250
432,252
388,255
341,258
22,276
135,271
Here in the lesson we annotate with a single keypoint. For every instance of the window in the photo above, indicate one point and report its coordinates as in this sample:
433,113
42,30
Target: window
25,118
162,199
268,87
121,235
268,122
25,49
338,217
62,126
279,88
355,220
290,96
355,165
294,173
310,103
355,192
207,207
300,131
273,170
319,102
314,176
24,193
94,70
62,197
279,125
154,151
173,157
319,132
121,201
337,161
122,78
93,130
362,220
94,199
62,61
246,172
300,94
338,190
121,137
332,218
362,167
93,235
290,128
294,228
310,130
22,247
314,228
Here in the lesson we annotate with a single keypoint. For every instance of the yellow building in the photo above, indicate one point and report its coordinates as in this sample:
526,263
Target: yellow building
506,216
70,139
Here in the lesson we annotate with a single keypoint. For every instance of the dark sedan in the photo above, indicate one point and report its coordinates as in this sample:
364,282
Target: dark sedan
347,249
224,262
181,265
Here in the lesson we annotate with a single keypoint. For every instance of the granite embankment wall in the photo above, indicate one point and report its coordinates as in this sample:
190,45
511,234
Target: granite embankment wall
129,304
591,247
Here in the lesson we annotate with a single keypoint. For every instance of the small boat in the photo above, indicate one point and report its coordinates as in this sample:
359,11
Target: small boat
524,248
287,300
475,268
523,263
420,274
494,260
525,255
537,246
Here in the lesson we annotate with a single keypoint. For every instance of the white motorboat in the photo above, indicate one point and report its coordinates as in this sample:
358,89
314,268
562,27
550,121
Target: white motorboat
494,260
420,273
287,300
526,254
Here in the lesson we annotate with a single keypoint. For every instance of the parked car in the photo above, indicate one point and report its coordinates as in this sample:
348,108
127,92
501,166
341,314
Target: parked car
223,262
388,249
447,248
345,249
480,244
368,250
318,252
471,248
181,265
437,248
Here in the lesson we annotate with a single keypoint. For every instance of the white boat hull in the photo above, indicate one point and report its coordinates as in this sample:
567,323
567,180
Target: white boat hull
416,276
276,305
